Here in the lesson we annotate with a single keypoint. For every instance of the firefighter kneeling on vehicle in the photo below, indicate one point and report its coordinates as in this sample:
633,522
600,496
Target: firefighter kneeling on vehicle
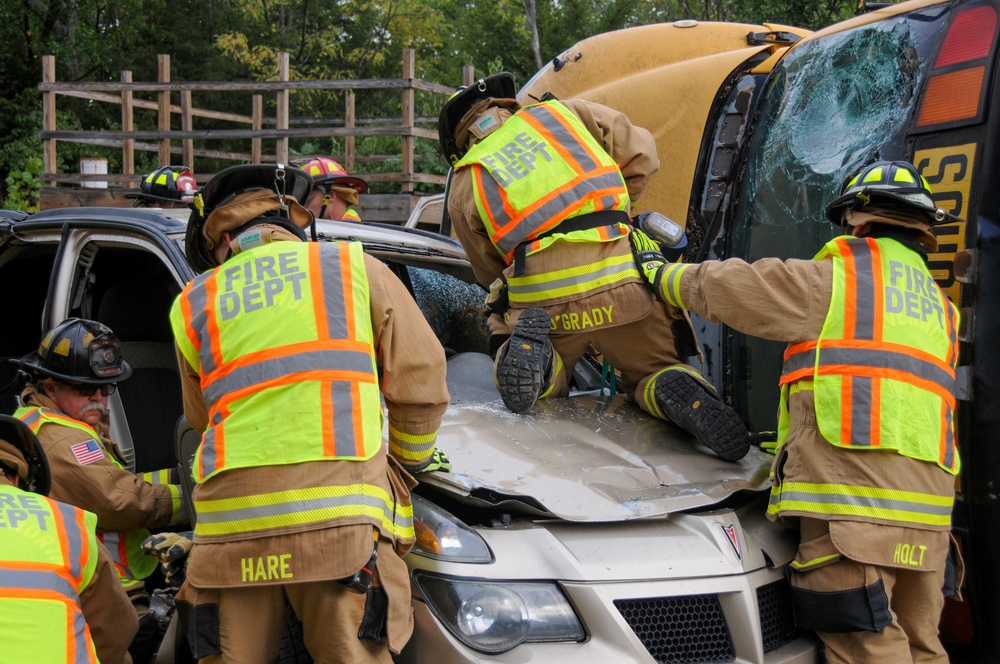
540,200
866,456
284,348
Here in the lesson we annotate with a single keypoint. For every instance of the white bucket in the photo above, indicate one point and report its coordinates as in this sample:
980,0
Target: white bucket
94,166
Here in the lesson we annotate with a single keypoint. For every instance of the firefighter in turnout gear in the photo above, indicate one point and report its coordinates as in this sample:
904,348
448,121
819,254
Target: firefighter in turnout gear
866,457
334,191
285,350
77,365
540,199
59,591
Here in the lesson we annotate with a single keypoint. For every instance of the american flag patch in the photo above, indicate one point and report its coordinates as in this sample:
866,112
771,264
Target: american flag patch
87,452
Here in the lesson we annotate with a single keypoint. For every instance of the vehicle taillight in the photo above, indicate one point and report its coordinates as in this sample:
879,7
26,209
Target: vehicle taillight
955,88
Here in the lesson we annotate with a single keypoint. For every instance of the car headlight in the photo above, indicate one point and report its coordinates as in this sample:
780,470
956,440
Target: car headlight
493,617
442,536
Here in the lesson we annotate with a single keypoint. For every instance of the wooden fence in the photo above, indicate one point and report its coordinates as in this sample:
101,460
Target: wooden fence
278,128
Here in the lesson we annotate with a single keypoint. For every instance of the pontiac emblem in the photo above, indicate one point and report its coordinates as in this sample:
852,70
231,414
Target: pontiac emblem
730,531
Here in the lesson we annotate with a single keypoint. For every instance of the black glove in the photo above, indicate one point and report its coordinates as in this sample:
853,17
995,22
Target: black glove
648,258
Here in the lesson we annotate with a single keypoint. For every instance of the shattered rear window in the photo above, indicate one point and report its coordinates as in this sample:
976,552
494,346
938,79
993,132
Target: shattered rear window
832,106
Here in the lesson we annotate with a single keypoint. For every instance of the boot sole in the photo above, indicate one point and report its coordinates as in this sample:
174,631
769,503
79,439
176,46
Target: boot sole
519,374
692,407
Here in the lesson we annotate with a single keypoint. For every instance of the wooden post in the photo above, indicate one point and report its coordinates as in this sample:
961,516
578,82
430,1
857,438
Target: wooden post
256,154
468,75
281,144
49,115
163,119
409,121
128,124
349,123
187,124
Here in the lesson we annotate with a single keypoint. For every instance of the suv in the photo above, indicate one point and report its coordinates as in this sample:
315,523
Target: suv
582,531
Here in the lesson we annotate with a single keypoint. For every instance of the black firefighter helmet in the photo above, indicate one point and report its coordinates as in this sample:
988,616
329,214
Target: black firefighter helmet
21,451
78,350
226,185
498,86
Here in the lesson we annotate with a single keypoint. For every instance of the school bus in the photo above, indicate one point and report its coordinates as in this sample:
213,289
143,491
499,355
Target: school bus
758,127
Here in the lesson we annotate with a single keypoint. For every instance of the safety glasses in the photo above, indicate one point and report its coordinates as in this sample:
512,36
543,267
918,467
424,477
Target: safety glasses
89,390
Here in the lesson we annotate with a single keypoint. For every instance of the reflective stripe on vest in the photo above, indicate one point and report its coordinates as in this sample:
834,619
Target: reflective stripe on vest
886,356
42,574
125,547
297,507
518,201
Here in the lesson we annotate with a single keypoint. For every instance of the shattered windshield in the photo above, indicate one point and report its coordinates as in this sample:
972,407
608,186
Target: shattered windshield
831,106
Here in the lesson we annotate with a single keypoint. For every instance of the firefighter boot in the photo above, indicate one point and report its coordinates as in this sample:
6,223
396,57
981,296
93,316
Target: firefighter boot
522,369
694,407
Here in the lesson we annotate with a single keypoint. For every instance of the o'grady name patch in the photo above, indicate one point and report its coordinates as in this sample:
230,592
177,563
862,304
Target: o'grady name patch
87,452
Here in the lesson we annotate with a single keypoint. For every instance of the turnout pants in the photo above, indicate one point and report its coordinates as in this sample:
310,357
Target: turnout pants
252,620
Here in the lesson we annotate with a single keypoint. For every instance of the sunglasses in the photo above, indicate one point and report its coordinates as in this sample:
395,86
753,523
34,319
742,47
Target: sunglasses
89,390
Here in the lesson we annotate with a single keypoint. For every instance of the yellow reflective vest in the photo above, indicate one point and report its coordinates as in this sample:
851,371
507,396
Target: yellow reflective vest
883,377
281,336
124,546
48,554
539,169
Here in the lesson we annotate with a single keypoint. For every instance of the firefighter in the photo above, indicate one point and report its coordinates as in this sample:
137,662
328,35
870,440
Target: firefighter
166,187
285,349
77,366
334,191
59,591
866,458
540,199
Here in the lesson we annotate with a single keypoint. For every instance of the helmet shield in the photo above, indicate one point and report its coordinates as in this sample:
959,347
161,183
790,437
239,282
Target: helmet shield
895,185
498,86
78,350
19,444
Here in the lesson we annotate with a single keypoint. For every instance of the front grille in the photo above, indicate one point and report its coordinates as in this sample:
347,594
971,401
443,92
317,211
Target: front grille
777,623
686,630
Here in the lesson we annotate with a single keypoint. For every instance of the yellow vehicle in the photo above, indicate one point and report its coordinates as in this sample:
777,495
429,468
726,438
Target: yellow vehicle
758,127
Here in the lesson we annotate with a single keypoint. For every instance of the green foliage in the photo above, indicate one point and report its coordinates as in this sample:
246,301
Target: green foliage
230,40
23,187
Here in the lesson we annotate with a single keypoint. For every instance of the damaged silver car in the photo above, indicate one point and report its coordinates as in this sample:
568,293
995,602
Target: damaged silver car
582,531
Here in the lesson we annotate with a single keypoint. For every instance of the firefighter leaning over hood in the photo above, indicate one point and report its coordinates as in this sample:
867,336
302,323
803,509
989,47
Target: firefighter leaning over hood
284,349
77,365
866,457
540,199
61,598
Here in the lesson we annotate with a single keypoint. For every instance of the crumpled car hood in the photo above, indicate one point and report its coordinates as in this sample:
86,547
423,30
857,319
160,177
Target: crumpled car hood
586,459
